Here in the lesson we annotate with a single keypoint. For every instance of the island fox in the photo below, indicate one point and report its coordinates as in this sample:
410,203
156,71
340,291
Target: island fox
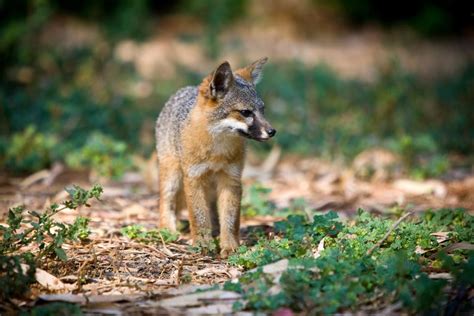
200,140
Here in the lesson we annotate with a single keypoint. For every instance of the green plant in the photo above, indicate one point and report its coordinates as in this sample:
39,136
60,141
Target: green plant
14,280
294,238
346,276
29,150
140,234
103,154
55,308
255,201
43,234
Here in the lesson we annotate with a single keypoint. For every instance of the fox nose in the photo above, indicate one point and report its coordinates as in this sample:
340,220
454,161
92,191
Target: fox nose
271,132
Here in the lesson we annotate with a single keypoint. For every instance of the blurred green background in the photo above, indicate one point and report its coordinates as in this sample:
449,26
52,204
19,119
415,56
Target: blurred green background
83,82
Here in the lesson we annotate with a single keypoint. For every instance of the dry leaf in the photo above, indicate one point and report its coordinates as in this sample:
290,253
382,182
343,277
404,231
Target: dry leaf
459,245
435,187
217,309
47,280
275,267
441,236
317,252
197,299
35,177
441,275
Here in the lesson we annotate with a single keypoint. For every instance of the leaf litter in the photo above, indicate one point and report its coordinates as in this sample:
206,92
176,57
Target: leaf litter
111,271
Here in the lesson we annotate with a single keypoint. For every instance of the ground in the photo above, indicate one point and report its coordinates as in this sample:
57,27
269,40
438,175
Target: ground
115,272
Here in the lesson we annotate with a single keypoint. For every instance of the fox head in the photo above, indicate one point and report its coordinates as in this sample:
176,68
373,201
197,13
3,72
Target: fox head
236,107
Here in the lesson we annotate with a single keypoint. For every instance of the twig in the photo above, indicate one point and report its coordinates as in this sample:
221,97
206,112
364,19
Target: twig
167,251
179,272
395,225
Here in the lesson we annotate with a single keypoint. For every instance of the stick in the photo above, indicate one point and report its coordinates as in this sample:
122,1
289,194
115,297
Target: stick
395,225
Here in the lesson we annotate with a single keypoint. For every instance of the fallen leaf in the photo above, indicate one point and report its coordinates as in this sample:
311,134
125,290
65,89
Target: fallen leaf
217,309
442,275
35,177
47,280
275,267
320,248
197,299
459,245
435,187
441,236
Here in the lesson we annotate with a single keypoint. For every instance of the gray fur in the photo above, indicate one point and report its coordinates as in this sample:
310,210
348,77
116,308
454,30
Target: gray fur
172,119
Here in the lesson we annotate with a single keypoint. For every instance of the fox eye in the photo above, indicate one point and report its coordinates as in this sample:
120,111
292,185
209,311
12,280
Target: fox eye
246,113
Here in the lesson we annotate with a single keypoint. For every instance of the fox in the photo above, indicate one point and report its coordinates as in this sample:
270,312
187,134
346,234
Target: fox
201,135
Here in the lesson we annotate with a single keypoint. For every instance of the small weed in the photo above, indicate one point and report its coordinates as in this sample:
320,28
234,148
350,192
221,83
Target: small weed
44,234
185,278
255,201
140,234
103,154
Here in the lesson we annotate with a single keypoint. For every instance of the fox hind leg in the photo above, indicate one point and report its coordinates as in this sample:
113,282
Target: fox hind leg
170,182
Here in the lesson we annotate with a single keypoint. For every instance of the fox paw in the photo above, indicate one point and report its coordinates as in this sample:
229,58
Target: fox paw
226,252
228,247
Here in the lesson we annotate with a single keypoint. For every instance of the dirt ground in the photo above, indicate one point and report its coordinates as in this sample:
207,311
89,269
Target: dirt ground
120,275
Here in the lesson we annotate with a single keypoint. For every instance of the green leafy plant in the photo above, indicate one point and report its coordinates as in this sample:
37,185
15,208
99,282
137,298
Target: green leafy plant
29,150
14,280
294,238
103,154
140,234
43,234
255,201
358,265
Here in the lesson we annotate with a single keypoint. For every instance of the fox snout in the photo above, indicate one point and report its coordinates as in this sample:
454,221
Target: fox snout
260,129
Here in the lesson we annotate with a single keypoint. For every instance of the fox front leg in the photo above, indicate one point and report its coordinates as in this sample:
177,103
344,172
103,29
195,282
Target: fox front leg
198,206
229,190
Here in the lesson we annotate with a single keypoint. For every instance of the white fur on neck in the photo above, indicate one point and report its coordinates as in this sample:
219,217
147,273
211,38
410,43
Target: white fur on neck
228,125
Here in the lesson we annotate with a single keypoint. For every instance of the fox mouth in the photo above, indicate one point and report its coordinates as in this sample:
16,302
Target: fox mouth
247,135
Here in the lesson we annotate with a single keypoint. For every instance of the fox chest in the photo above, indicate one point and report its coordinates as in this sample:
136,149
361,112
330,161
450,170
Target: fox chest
212,168
217,160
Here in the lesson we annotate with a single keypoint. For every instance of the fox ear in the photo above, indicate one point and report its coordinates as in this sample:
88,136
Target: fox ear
253,72
221,80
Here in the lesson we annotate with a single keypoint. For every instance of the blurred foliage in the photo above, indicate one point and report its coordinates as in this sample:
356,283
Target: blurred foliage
103,154
255,201
29,150
428,17
81,105
315,111
215,14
